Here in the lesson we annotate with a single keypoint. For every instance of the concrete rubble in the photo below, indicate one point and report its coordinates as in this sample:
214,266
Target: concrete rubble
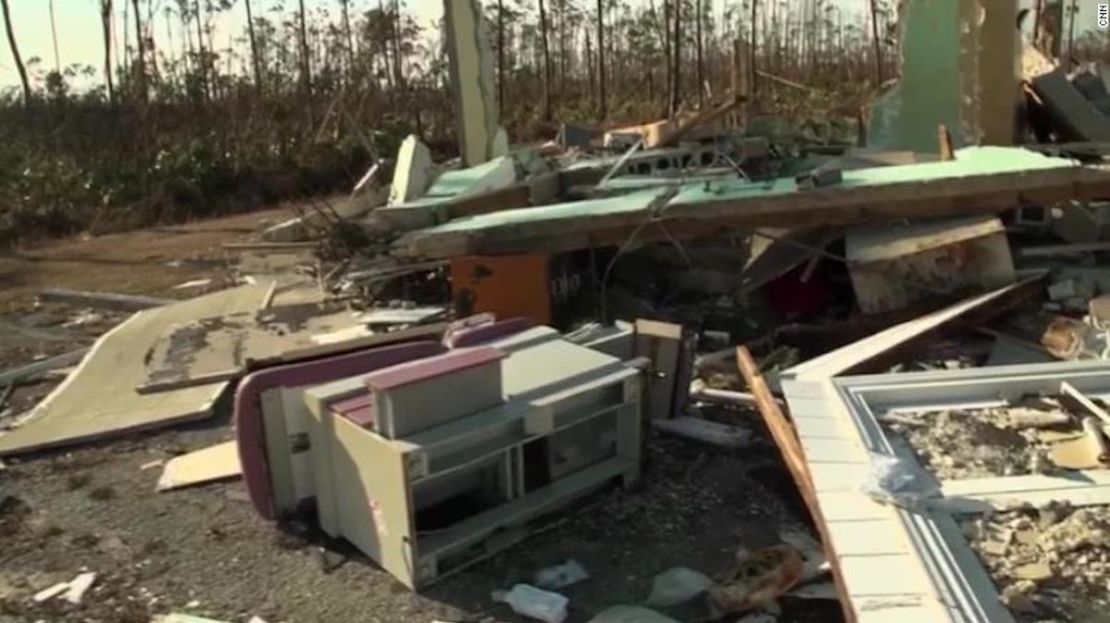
473,352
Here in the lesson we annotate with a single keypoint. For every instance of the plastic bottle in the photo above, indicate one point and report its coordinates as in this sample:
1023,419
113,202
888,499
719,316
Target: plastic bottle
532,602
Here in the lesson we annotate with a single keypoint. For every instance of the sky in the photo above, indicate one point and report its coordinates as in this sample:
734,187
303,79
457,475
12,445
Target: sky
79,37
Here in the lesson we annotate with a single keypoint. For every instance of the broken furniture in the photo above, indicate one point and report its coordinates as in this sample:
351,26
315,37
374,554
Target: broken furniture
428,459
530,285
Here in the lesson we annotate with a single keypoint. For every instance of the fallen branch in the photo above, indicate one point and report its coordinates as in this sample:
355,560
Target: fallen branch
33,370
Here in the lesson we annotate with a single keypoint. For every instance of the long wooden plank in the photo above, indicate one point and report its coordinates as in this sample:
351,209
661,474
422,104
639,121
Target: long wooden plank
881,344
99,398
787,441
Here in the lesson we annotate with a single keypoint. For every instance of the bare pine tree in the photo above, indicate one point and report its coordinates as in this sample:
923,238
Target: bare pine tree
256,63
546,64
306,63
15,53
601,99
140,59
106,28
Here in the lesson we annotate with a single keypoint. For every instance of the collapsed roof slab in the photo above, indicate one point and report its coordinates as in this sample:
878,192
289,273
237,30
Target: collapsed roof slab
980,180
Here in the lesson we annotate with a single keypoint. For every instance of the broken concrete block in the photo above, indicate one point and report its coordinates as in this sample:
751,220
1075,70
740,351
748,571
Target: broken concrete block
1075,117
676,586
413,173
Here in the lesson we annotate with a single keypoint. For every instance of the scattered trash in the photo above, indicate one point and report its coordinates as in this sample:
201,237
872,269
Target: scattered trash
415,330
561,575
51,592
534,603
756,580
77,587
195,283
84,318
677,585
898,481
822,590
72,591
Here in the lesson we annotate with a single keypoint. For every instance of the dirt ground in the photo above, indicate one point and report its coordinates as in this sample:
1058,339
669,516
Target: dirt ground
204,550
149,261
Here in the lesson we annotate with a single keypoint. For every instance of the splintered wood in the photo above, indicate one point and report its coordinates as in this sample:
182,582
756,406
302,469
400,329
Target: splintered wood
787,440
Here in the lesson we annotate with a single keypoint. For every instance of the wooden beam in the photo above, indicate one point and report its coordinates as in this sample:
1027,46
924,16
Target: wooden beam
786,438
944,139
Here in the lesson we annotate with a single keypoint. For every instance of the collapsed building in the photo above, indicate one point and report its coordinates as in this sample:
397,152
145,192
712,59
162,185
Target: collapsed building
918,324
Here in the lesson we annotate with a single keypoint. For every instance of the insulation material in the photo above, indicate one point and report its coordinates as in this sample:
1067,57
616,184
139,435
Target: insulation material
99,399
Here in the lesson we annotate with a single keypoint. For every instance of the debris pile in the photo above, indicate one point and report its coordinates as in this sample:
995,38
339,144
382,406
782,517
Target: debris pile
452,361
1050,562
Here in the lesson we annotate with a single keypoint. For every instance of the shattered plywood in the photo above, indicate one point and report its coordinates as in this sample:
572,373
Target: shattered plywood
99,399
218,462
221,348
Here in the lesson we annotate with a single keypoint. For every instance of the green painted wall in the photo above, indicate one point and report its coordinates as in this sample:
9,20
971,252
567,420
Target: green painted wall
928,93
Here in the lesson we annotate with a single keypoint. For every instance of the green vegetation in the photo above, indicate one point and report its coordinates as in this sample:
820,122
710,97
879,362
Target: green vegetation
174,124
